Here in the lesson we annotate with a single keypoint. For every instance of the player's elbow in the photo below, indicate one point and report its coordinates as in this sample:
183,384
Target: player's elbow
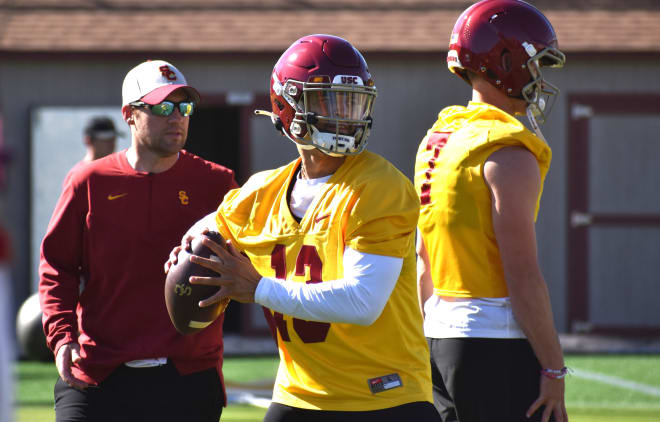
366,319
367,311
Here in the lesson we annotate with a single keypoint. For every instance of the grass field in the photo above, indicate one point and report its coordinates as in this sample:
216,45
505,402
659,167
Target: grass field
603,388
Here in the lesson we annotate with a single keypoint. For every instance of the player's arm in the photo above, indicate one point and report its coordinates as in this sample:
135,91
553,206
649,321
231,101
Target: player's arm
514,180
424,280
59,280
358,298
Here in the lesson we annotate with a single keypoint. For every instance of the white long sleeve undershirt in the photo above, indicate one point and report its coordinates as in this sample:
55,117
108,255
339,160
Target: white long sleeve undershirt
358,298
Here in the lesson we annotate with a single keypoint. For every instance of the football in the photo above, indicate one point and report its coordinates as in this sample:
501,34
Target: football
182,298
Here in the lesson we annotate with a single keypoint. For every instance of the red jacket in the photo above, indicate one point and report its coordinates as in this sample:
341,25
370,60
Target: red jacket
114,227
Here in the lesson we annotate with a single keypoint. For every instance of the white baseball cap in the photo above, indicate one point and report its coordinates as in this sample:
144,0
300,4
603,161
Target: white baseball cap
152,81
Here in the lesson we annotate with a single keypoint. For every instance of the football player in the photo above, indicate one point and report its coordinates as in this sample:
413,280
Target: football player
495,353
329,244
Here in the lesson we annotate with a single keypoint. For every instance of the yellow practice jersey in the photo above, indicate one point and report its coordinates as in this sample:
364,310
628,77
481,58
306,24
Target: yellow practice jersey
369,206
455,217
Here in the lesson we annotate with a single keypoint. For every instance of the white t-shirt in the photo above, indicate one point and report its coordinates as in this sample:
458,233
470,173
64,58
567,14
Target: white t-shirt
450,317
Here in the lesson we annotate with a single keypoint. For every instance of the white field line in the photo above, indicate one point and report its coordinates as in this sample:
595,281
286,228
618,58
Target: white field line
258,398
618,382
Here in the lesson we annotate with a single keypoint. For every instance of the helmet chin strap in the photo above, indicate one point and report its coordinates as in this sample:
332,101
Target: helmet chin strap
277,122
532,121
322,141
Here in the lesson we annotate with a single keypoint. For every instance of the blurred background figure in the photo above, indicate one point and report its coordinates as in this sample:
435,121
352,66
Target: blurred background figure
7,352
6,336
100,140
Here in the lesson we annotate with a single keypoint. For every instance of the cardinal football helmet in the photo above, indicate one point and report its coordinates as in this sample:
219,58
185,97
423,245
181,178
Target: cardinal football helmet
507,42
322,95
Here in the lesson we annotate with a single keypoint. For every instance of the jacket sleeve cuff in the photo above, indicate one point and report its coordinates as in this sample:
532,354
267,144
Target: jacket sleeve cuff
68,338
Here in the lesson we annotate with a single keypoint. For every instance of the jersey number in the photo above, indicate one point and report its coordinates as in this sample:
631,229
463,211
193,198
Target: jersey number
436,141
308,331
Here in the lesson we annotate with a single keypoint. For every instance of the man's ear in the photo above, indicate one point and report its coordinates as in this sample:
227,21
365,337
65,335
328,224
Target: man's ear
127,113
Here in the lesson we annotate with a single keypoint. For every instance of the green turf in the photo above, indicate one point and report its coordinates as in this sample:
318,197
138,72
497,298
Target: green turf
586,395
234,413
246,370
36,380
587,400
641,368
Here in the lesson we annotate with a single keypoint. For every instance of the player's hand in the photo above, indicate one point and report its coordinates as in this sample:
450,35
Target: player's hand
68,354
236,274
552,397
186,242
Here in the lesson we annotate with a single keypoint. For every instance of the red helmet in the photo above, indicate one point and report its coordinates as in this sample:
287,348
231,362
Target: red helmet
506,42
322,95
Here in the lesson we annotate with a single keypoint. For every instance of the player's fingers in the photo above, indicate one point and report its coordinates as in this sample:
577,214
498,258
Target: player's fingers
77,384
218,250
64,369
558,411
186,242
208,281
239,255
75,356
173,258
216,264
534,407
63,357
232,250
63,363
218,297
547,413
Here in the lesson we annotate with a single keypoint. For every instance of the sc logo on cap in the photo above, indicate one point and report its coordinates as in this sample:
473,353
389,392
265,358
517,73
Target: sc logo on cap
167,72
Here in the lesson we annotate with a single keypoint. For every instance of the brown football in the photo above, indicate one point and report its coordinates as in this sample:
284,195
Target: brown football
182,298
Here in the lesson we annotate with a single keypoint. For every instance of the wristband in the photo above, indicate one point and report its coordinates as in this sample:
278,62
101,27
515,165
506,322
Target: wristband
555,374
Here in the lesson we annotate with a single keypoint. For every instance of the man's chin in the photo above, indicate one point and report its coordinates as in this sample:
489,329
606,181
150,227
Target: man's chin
169,150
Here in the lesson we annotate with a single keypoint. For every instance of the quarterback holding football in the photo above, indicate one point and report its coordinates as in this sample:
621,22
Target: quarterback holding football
329,250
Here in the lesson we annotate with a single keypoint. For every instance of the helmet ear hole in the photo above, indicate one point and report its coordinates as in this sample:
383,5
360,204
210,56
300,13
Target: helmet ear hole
278,125
505,59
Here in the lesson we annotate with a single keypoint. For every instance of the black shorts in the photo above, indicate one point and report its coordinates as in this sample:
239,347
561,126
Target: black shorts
484,380
417,411
144,394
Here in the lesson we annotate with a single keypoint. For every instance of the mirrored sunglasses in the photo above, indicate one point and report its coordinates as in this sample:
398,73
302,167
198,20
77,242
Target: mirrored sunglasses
165,108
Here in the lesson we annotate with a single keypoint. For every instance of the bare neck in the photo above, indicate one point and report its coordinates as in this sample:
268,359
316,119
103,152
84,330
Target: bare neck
146,161
484,92
316,164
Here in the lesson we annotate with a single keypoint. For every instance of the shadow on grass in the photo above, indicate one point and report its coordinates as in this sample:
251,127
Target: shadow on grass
37,376
34,403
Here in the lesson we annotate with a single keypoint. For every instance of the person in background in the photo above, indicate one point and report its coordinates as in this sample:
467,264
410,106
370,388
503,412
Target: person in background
100,139
329,255
7,352
118,355
495,353
7,346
